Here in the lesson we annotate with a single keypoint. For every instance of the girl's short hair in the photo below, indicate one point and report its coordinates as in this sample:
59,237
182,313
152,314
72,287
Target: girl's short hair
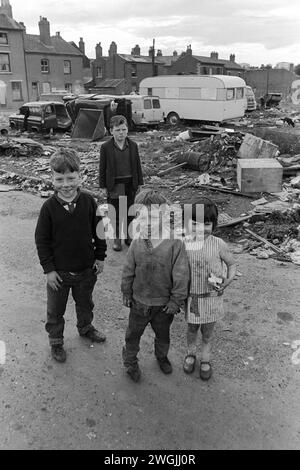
64,160
147,197
210,211
118,120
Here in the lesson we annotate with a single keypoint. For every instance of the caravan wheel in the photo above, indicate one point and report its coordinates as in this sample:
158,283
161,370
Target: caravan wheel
173,119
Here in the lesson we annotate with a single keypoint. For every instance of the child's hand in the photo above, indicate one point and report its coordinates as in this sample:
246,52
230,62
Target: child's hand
54,280
171,309
98,267
127,301
224,284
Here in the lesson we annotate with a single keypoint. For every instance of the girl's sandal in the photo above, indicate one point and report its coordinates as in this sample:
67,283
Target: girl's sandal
205,374
188,365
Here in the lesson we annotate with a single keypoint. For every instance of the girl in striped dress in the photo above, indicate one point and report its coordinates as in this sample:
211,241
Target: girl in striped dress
212,269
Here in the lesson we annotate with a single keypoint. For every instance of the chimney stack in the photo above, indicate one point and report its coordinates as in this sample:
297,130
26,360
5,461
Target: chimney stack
150,51
112,49
23,26
98,50
159,53
136,51
232,57
214,55
44,26
6,8
189,50
81,46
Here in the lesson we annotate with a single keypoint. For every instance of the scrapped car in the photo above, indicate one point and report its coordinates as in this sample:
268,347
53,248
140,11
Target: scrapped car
270,100
41,116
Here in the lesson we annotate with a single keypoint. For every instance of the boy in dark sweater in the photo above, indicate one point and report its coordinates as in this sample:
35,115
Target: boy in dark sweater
154,283
69,250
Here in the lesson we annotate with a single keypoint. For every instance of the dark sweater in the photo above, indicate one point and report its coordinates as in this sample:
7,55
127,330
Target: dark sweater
108,165
67,241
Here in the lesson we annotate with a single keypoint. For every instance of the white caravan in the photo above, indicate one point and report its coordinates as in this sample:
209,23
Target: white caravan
208,98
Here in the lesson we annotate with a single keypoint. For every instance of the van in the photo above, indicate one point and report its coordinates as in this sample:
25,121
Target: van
251,101
41,116
205,98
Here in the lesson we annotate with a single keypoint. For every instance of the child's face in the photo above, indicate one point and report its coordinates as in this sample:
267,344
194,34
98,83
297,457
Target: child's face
119,132
150,221
66,184
199,228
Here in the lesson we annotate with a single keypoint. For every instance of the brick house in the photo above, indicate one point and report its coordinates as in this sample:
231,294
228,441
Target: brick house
126,69
52,63
13,82
193,64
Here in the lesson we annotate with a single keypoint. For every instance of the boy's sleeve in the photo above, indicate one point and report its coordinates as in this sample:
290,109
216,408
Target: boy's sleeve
43,240
102,168
180,276
100,244
128,273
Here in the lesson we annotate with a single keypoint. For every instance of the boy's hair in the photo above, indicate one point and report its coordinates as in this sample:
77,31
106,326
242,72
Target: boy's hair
118,120
210,211
147,197
64,160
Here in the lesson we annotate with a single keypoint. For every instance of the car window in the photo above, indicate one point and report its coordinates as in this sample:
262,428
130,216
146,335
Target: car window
48,109
156,104
147,104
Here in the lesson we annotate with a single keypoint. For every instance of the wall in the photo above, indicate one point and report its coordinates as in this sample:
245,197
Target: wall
56,76
275,80
15,50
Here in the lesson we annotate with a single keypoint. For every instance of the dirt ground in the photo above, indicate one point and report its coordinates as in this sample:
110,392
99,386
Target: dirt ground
251,402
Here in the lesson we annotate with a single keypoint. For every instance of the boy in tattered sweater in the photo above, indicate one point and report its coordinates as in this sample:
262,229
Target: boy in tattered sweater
154,284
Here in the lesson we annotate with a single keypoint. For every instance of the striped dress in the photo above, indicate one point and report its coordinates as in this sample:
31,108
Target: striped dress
205,257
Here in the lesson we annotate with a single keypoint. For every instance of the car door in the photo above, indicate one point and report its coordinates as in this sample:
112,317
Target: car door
50,119
158,114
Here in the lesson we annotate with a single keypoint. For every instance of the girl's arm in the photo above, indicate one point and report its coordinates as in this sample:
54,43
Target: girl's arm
228,259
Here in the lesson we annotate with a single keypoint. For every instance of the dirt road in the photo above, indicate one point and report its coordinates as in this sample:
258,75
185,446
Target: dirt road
251,402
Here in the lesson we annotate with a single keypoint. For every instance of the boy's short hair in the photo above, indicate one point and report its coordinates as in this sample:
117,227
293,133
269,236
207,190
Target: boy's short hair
118,120
210,211
64,160
147,197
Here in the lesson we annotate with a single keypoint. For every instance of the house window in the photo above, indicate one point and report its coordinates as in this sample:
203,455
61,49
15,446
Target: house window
45,66
133,70
67,67
99,72
16,91
3,38
4,63
68,87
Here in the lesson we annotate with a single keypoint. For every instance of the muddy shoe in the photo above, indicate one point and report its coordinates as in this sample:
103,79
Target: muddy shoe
134,373
165,365
95,336
58,353
205,373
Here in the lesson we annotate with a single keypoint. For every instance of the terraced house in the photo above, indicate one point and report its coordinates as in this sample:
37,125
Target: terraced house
31,64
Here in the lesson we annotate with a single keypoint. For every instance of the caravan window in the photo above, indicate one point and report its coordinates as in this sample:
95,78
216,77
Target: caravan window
239,93
190,93
208,93
230,94
172,92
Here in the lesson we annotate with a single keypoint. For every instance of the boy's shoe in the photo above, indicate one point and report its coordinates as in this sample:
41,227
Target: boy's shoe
117,246
165,365
205,374
58,353
96,336
134,372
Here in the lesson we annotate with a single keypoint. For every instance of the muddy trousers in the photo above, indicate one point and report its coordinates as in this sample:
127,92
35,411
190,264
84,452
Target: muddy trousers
140,316
121,206
81,285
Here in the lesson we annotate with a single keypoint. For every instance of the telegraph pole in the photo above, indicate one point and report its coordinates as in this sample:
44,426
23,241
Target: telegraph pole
153,58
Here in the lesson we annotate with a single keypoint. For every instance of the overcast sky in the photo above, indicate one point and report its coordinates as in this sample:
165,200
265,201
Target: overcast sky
256,31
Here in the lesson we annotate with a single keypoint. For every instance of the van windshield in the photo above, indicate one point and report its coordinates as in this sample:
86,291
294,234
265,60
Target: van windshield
156,104
147,104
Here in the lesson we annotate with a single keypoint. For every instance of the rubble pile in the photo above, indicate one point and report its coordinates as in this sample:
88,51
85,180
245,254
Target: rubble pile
21,147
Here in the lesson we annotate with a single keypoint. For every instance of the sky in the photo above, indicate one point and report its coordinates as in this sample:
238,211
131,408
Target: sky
256,31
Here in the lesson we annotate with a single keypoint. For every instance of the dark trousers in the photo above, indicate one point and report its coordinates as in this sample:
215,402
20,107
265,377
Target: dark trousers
82,286
121,210
140,316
